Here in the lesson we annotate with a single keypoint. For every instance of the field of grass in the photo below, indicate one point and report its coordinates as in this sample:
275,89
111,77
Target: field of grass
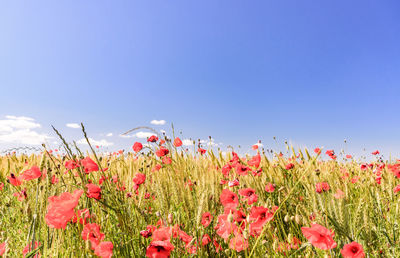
163,201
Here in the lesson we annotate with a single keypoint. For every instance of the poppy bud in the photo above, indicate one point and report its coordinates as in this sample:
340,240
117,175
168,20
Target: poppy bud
230,217
286,219
170,218
298,219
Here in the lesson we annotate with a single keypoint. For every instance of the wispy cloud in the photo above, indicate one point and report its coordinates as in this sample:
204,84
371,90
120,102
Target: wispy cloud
187,142
73,125
109,134
140,135
102,142
20,130
158,122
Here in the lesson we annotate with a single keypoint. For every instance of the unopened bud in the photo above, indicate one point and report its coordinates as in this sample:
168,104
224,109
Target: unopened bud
286,219
170,218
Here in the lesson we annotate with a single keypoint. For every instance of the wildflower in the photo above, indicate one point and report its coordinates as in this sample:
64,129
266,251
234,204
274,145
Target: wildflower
225,227
339,194
255,161
166,160
71,164
396,189
139,179
270,188
54,180
352,250
289,166
242,170
1,186
15,181
233,183
375,152
260,216
30,174
91,232
238,243
159,249
249,194
21,195
319,236
93,191
61,209
3,248
83,216
201,151
137,146
348,156
28,248
152,138
229,199
104,249
162,152
254,147
177,142
205,239
206,219
317,151
226,169
89,165
322,187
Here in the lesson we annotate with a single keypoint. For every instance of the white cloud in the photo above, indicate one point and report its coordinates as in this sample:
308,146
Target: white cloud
102,142
187,142
158,122
19,130
73,125
109,134
143,135
211,142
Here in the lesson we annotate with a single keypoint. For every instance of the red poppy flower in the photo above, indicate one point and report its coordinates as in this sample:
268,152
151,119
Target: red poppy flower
166,160
330,153
137,146
2,248
225,227
91,232
28,249
242,170
375,152
30,174
61,209
352,250
255,161
89,165
82,215
322,187
205,239
319,236
104,249
21,195
348,156
226,169
162,152
93,191
254,147
159,249
206,219
229,199
139,179
15,181
71,164
289,166
260,215
396,189
339,194
317,150
201,151
238,243
177,142
270,188
152,138
249,194
1,186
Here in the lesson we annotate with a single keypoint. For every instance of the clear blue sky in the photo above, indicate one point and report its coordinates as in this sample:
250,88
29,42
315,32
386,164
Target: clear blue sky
310,72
